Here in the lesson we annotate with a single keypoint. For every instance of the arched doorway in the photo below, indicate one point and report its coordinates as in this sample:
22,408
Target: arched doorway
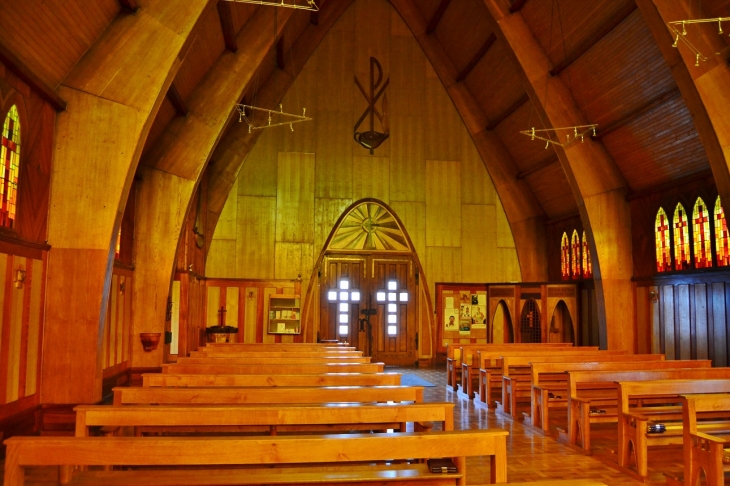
371,286
530,323
561,325
502,325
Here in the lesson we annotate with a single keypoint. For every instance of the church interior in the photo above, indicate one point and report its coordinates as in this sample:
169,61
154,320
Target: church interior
404,176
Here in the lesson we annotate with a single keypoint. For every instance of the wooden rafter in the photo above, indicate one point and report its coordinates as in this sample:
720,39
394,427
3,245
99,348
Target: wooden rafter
437,15
503,116
130,5
14,64
280,53
639,111
594,39
177,101
477,57
543,164
516,5
314,18
229,34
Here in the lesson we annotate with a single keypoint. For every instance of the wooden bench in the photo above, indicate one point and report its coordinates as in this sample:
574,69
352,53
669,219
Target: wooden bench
589,391
269,419
211,353
236,347
274,368
328,379
299,459
549,382
518,385
343,394
704,450
276,360
633,421
454,355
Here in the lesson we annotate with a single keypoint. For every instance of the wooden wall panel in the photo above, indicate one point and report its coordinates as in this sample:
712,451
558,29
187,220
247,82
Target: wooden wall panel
443,204
335,147
16,325
34,327
407,83
477,232
326,213
295,198
719,312
303,94
370,177
214,298
443,265
221,261
258,173
442,127
413,217
372,29
407,160
226,227
667,300
232,299
476,185
699,316
288,260
249,317
682,318
257,233
175,321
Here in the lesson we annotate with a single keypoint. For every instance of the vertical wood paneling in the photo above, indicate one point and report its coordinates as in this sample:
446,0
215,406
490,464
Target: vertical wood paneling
476,185
407,159
413,217
683,315
288,260
110,337
477,232
335,148
16,325
643,323
407,83
326,213
221,260
443,204
504,232
226,227
656,343
370,178
214,298
34,328
443,265
441,118
258,173
295,198
127,331
123,323
175,322
232,306
372,29
23,348
700,307
257,231
252,298
303,94
667,302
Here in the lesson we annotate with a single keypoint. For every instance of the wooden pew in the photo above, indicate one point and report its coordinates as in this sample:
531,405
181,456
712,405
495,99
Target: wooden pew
329,379
270,419
704,450
299,458
237,347
270,395
276,368
633,421
454,355
518,385
270,354
277,360
588,390
553,391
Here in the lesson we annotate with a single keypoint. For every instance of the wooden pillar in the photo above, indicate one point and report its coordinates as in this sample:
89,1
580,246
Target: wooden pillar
113,95
596,182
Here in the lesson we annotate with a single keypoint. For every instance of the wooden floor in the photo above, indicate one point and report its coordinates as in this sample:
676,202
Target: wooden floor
531,456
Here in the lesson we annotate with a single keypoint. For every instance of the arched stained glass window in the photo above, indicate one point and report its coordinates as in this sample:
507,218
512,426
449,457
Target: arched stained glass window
661,231
9,164
722,245
701,235
587,267
565,257
681,239
575,255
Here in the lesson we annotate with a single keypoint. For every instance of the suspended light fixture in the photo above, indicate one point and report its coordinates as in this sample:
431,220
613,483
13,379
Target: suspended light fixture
283,118
679,30
306,5
553,135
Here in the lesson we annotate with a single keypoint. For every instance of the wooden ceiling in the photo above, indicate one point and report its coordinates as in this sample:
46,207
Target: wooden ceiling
602,50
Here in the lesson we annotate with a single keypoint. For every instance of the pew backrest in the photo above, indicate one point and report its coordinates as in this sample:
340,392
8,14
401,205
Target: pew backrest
578,377
537,367
326,379
627,389
590,356
274,368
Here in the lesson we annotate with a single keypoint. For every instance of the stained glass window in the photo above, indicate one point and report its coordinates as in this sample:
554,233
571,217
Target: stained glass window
701,235
681,239
575,255
587,267
565,257
722,245
661,231
9,160
118,247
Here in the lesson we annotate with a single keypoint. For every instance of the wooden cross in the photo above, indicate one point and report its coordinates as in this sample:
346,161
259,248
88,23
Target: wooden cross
222,316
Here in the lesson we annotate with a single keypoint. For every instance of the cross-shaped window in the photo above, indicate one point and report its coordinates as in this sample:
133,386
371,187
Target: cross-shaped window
390,297
343,296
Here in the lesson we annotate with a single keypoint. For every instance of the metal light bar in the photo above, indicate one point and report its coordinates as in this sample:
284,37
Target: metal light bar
682,35
578,132
274,3
293,118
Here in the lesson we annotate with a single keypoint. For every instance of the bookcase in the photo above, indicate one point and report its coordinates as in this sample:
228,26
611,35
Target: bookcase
284,314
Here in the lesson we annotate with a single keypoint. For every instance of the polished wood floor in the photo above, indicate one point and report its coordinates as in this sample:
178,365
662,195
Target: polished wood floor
531,456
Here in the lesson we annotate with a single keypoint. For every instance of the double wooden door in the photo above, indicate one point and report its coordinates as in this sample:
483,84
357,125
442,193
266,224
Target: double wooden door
370,301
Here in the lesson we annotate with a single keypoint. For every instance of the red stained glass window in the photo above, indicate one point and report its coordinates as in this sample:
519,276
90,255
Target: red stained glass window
565,257
575,255
587,266
701,235
9,160
722,246
661,231
681,239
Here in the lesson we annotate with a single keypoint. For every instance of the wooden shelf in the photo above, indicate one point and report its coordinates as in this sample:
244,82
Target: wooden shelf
281,305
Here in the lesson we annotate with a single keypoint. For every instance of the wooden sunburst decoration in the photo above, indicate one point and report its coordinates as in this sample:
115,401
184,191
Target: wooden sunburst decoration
369,226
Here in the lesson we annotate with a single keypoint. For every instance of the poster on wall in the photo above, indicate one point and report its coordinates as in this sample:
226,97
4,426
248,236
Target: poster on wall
477,315
451,319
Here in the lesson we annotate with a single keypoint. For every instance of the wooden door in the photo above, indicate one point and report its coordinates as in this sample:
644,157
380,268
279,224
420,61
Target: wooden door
343,286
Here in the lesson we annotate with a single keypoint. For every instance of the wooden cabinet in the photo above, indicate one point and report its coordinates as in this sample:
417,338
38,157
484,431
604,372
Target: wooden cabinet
284,314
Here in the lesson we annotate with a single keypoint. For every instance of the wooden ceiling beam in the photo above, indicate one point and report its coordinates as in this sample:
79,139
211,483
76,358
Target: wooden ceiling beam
129,5
280,53
177,101
229,33
543,164
594,39
639,111
14,64
314,18
477,57
504,115
517,5
436,17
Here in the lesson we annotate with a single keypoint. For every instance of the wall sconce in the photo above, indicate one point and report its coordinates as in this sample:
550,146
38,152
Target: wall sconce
654,296
19,278
150,340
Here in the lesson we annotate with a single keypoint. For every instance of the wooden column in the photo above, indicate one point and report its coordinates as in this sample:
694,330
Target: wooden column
597,184
704,87
113,95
